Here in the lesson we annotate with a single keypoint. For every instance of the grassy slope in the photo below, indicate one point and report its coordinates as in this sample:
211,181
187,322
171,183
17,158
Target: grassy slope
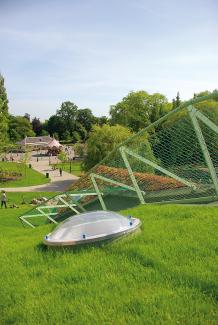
75,167
30,176
166,274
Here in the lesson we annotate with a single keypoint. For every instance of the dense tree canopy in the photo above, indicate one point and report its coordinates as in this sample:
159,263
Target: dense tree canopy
138,109
19,128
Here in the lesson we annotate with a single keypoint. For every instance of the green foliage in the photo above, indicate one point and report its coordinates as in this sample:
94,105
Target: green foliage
138,109
176,102
3,97
71,123
3,114
62,156
103,140
19,128
101,120
56,126
85,118
79,149
75,137
3,127
67,114
165,274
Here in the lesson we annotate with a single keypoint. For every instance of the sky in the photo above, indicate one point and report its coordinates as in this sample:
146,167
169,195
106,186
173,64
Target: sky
94,52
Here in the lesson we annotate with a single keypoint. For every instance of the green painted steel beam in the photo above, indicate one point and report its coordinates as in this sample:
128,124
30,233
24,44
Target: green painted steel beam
46,215
131,175
39,215
27,222
77,204
161,169
92,176
108,180
206,154
68,205
184,105
211,198
205,120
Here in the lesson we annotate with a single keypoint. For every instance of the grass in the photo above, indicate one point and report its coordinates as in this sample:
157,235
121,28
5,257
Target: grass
76,167
166,274
30,176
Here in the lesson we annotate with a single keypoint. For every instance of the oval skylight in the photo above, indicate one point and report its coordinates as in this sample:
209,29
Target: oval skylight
91,227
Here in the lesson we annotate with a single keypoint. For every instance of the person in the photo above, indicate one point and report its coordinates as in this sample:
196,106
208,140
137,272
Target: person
3,199
60,170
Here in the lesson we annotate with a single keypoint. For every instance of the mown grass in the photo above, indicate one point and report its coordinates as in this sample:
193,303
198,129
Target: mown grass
76,167
165,274
29,176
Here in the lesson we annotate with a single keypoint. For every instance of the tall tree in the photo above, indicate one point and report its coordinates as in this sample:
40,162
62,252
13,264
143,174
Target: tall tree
3,96
56,126
3,113
176,101
85,118
37,126
68,114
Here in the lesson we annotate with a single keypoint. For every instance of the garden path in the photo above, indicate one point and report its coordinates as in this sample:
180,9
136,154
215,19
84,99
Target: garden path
58,183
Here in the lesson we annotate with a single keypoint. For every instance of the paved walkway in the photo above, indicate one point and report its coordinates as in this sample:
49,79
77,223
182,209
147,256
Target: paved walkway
58,183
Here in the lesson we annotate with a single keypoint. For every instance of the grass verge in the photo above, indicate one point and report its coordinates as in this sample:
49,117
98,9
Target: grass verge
76,168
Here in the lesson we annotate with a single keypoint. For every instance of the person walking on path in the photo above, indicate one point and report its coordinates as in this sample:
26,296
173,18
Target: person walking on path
3,199
60,170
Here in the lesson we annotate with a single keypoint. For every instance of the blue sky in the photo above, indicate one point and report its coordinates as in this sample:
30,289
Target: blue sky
93,52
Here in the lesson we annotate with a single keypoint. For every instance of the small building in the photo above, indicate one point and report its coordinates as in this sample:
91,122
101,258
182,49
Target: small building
41,142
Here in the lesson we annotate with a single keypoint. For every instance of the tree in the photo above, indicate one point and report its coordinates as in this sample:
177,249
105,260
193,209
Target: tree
138,109
101,120
68,114
102,140
19,128
27,116
3,113
85,118
176,102
3,126
79,149
3,97
81,131
37,126
56,125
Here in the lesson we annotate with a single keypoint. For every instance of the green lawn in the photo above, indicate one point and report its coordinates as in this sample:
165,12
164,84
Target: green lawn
76,167
165,274
30,176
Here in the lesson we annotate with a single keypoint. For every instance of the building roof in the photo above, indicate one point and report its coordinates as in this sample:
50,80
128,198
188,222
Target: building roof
54,143
42,140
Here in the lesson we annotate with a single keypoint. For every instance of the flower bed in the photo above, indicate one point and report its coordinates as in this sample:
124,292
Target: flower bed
146,181
9,176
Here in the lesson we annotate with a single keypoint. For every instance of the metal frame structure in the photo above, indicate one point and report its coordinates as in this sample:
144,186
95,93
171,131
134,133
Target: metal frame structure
124,151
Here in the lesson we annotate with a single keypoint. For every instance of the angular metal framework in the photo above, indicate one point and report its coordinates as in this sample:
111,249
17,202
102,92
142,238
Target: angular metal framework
173,160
